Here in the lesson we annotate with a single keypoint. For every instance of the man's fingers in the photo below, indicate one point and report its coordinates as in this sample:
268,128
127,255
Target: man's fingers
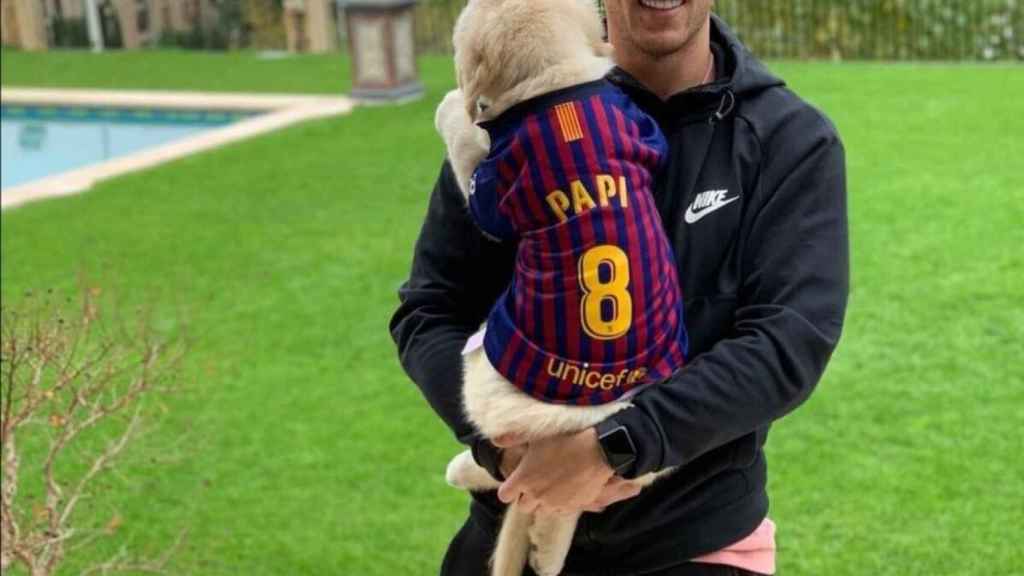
527,504
508,440
624,492
510,458
558,511
616,490
509,490
614,483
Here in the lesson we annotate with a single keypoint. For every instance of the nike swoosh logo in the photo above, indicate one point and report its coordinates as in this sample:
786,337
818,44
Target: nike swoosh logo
690,216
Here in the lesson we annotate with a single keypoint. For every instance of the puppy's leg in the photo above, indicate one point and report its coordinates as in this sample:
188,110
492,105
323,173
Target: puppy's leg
497,407
648,479
513,545
463,472
467,143
550,538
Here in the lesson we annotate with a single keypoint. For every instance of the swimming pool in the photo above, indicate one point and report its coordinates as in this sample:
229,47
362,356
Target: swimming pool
59,142
40,141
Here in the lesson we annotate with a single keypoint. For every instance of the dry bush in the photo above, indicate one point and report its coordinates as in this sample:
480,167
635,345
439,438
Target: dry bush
73,396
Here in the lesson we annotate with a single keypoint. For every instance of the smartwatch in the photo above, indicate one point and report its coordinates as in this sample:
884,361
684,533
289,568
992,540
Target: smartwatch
619,450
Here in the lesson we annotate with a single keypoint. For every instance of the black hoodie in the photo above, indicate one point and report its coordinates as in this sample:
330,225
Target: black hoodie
753,199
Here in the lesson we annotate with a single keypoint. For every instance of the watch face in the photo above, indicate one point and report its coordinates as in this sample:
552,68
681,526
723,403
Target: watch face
618,448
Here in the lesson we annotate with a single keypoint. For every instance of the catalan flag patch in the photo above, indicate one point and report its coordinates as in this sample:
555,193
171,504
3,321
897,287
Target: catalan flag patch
568,122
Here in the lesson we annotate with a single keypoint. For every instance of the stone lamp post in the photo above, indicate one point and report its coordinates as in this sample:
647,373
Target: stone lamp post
382,46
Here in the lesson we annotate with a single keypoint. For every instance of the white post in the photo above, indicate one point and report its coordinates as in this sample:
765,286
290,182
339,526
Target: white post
92,19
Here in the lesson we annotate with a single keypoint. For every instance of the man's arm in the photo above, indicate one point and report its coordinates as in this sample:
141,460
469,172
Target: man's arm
792,303
457,274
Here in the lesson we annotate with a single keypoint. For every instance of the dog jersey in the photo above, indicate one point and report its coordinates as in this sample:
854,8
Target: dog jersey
593,310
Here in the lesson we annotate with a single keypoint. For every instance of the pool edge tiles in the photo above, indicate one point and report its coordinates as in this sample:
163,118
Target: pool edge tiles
267,113
160,116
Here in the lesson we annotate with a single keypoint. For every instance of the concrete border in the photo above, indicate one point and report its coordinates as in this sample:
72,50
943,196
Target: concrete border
279,110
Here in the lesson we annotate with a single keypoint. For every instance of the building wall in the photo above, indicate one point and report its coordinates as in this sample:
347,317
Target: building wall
23,25
128,19
8,24
310,25
323,37
175,15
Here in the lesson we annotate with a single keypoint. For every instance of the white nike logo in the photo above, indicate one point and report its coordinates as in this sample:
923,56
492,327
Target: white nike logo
707,202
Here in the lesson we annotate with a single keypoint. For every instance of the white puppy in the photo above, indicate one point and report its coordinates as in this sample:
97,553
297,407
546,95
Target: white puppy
509,52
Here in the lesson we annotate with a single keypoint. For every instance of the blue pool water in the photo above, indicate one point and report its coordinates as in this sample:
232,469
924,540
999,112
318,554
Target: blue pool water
40,141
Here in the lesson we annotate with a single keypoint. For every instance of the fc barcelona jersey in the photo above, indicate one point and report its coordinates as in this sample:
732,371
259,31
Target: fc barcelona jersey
593,311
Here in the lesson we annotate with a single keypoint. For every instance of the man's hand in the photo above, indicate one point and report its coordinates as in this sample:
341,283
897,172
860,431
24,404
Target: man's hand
616,490
511,456
513,448
561,474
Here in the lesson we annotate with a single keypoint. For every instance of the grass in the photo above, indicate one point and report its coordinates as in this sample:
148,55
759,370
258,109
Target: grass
309,452
176,70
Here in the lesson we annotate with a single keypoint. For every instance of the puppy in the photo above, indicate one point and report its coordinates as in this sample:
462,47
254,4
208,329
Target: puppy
556,159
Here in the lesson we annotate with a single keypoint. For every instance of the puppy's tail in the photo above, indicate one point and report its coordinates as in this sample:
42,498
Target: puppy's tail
513,548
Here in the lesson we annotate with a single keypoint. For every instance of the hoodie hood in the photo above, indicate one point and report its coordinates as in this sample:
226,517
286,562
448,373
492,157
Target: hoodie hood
738,74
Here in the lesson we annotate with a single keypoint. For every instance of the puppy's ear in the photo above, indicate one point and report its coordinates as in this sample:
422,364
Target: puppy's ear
476,82
593,28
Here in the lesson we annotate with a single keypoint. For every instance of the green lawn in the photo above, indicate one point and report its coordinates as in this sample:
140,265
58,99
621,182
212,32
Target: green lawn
307,451
176,70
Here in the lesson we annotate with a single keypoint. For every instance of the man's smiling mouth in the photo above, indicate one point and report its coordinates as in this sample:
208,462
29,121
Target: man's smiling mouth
662,4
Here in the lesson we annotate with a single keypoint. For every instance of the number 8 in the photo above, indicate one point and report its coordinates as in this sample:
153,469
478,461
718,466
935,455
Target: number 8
596,292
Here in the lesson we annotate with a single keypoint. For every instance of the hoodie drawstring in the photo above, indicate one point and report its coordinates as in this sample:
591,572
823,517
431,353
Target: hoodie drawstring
724,107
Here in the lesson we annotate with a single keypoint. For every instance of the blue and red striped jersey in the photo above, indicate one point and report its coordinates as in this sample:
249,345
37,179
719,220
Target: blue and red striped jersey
594,309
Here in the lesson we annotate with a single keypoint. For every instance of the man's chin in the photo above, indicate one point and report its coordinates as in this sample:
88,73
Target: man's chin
660,45
660,38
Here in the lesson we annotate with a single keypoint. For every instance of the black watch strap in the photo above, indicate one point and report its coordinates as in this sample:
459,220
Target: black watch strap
488,457
618,447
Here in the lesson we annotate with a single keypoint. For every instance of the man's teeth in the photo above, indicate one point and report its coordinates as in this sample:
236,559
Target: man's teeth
661,4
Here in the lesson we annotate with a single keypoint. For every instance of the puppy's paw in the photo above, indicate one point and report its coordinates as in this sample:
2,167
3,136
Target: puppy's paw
451,106
463,472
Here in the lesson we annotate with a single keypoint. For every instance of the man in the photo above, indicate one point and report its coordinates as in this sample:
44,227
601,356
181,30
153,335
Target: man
753,199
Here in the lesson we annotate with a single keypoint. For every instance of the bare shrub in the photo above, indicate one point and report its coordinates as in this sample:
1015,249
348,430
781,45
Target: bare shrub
73,395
